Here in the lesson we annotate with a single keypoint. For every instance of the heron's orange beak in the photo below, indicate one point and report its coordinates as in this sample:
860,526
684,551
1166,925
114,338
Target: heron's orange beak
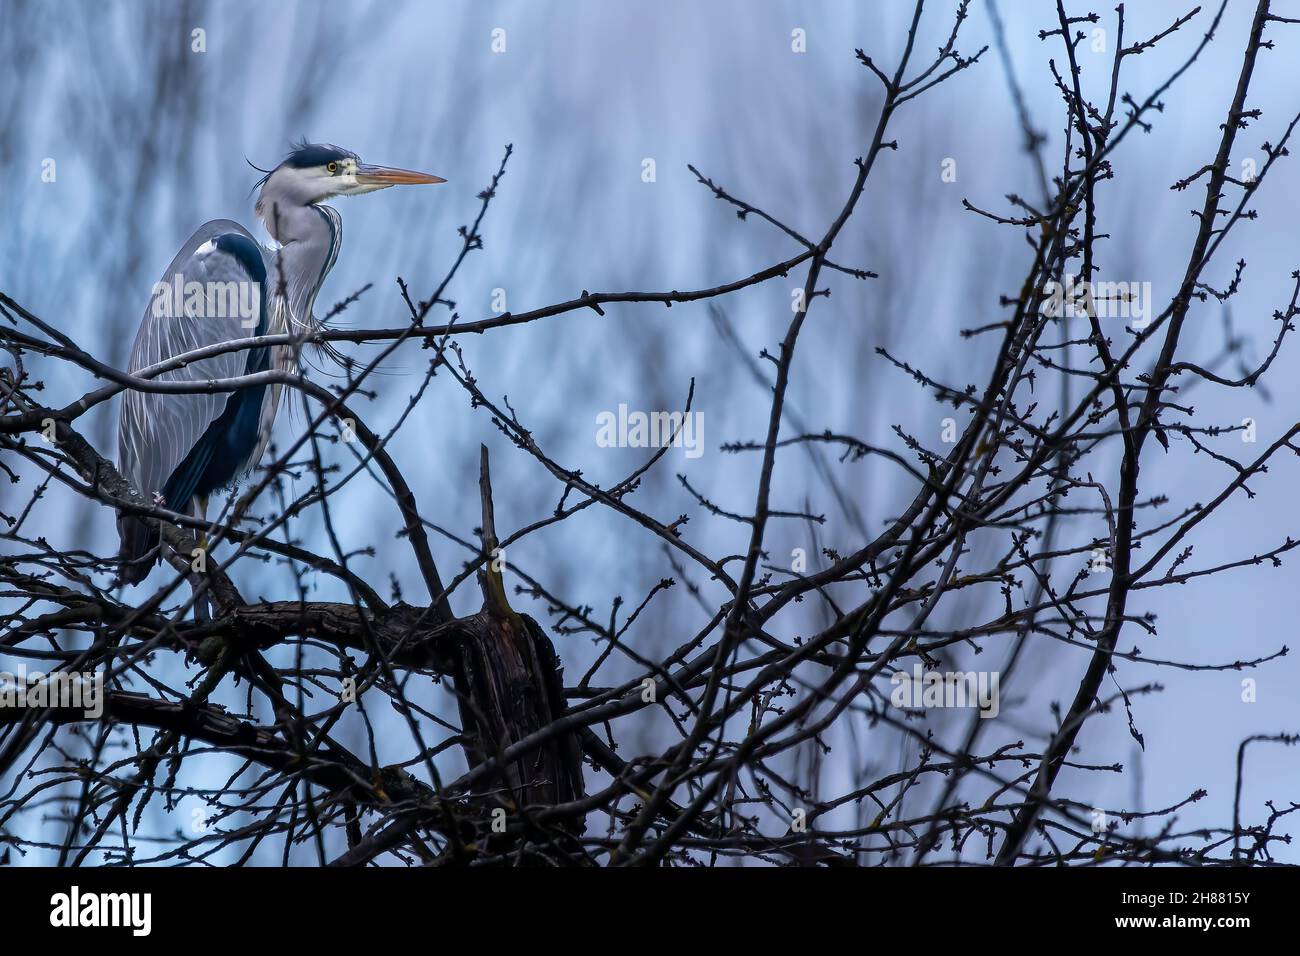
388,176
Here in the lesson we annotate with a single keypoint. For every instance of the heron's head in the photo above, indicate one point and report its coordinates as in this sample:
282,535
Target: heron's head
314,172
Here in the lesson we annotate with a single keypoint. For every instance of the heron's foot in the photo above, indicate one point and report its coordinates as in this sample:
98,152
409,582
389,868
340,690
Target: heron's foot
158,499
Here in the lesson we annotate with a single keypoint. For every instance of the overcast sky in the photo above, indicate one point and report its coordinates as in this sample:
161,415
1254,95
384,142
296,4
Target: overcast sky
587,91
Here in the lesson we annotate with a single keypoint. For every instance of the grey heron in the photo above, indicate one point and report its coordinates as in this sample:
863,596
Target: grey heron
179,448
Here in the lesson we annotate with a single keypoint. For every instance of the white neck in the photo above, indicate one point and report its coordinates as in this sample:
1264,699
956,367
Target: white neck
309,238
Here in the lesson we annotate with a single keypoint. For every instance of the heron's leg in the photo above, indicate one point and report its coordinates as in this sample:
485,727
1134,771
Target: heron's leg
203,516
202,603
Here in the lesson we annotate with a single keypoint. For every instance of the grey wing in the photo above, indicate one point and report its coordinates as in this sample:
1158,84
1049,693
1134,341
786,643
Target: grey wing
158,429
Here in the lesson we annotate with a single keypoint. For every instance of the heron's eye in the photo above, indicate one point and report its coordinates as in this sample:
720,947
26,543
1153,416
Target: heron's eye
333,168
